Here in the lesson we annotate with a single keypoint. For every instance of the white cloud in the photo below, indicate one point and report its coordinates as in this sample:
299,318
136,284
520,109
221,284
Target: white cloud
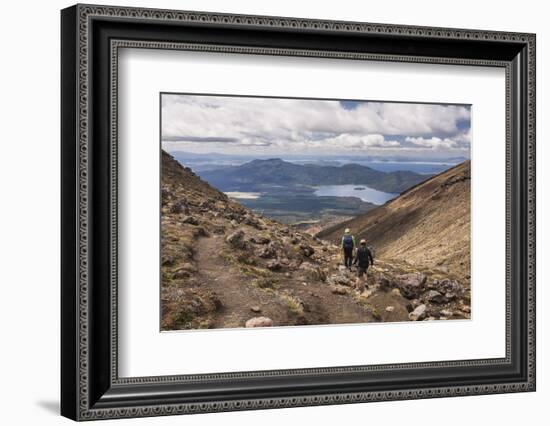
433,142
296,125
347,140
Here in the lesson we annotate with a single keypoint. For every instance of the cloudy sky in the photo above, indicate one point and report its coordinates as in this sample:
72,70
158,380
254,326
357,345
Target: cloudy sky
270,126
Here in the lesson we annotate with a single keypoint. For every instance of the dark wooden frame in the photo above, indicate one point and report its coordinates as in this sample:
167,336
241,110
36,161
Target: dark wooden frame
91,37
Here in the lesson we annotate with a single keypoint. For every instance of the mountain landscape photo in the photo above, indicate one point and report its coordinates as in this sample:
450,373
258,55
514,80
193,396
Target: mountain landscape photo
253,212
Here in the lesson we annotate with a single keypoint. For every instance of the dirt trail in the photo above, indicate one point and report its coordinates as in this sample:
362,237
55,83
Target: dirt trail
237,294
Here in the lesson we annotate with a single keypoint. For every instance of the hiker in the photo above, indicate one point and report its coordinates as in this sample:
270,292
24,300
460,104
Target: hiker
363,259
348,244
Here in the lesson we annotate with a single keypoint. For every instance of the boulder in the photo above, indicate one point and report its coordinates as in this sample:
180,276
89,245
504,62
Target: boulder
267,251
165,196
168,260
384,283
179,207
255,309
274,265
450,288
259,322
236,239
465,308
396,291
181,273
259,239
218,229
307,250
343,277
251,221
434,296
338,289
418,314
312,271
190,220
411,285
189,267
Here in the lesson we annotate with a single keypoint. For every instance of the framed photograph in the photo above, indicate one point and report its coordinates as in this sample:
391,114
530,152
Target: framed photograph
263,212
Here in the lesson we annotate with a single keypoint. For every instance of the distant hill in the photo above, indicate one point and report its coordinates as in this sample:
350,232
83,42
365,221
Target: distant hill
427,225
257,174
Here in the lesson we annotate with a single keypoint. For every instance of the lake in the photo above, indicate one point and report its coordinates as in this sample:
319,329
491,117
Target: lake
360,191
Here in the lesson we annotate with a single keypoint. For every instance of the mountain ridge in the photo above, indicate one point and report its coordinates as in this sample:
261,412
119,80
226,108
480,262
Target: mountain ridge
275,171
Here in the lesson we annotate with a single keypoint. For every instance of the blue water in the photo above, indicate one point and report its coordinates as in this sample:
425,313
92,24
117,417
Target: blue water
424,168
360,191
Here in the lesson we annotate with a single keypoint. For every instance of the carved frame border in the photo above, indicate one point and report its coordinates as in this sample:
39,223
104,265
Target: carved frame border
87,12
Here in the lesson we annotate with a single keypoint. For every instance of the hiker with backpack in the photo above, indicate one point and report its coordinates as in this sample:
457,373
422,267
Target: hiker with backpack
363,259
348,244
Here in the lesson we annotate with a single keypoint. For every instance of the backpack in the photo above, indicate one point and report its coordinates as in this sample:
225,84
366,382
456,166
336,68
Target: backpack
363,256
347,241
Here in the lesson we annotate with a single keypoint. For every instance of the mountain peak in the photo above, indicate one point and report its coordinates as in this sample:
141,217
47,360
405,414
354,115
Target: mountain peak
268,161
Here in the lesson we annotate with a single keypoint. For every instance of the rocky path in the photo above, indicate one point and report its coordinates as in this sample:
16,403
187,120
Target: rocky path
237,298
294,302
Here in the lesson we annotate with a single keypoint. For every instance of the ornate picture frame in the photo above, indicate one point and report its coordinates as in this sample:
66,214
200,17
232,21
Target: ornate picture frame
91,38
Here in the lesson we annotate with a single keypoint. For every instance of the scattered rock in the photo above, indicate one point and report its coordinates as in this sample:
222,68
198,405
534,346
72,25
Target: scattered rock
384,284
251,221
181,273
418,314
446,313
434,296
260,239
368,293
236,239
189,267
390,308
218,229
199,231
396,291
264,282
338,289
190,220
307,250
267,251
179,207
465,308
274,265
168,260
165,195
342,278
450,288
284,261
259,322
312,271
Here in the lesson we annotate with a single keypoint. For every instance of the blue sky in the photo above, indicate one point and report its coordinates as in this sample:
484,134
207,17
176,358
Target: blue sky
283,126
